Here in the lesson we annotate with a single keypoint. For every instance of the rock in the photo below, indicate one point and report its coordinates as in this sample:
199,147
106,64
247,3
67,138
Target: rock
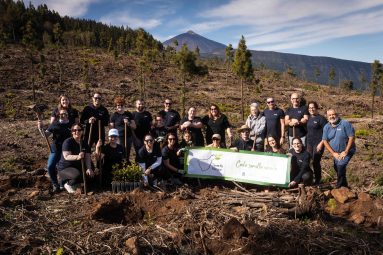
33,194
357,218
233,229
132,245
342,194
364,197
251,227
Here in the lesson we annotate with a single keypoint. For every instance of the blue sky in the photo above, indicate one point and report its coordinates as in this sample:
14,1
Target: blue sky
347,29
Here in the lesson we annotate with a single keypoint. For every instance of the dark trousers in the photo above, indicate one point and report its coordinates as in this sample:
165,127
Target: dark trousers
306,179
70,175
316,158
340,169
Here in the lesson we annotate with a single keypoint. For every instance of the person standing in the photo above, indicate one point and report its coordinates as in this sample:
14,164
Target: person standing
257,124
90,116
193,124
65,104
143,120
60,131
216,123
171,117
315,147
296,118
118,120
275,121
339,139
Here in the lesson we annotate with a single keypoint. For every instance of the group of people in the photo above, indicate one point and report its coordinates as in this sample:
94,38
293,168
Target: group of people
159,154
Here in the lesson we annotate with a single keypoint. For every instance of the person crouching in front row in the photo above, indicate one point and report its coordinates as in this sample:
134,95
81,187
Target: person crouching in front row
216,141
149,159
300,164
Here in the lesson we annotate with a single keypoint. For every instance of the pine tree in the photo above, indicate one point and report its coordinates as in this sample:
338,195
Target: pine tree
362,79
317,73
229,57
331,75
376,82
242,67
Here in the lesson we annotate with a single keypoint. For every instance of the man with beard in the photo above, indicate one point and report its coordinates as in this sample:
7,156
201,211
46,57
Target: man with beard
143,120
339,139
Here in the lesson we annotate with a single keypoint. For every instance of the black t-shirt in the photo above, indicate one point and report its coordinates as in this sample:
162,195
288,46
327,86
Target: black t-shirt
315,129
72,114
297,113
197,136
240,144
300,164
112,155
149,158
71,145
171,117
159,131
167,153
100,113
118,120
143,122
273,122
217,126
60,132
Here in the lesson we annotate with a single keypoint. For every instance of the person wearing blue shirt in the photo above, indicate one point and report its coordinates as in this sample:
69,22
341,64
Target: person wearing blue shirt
339,139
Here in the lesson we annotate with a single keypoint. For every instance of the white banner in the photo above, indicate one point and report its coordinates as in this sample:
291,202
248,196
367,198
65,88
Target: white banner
245,166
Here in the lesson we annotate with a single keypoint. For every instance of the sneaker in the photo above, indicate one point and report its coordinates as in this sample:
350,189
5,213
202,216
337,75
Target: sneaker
69,188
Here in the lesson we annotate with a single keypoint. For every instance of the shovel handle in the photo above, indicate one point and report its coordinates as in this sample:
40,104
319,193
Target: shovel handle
83,168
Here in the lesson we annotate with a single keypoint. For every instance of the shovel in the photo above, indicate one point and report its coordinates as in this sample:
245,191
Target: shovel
83,167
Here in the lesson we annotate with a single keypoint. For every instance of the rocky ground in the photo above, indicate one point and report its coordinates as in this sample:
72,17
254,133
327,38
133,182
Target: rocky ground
211,218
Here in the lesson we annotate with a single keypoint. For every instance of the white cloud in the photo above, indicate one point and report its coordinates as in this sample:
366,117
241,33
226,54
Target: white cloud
72,8
124,18
281,24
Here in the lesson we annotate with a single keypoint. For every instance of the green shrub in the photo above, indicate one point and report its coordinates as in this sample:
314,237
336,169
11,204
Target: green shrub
362,132
126,172
377,191
379,180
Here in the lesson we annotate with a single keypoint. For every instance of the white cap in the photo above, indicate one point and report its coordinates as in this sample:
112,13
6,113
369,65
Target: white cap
112,132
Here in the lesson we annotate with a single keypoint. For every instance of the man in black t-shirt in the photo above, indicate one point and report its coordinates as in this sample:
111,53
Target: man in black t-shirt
296,119
143,120
90,116
275,121
171,117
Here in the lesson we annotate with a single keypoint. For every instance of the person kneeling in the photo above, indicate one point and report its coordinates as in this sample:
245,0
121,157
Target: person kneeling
149,159
300,164
170,159
69,167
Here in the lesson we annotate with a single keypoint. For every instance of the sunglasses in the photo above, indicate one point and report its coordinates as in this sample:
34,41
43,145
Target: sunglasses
269,102
171,139
97,98
168,103
113,136
216,139
119,105
149,141
63,114
76,130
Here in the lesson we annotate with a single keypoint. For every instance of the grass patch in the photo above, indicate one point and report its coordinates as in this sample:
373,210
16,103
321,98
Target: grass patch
310,87
379,180
9,165
378,191
354,116
354,179
328,176
362,132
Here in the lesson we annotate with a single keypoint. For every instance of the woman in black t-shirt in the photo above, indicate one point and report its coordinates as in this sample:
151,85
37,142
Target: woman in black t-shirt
112,153
315,146
300,164
69,167
65,104
217,123
118,120
194,125
171,159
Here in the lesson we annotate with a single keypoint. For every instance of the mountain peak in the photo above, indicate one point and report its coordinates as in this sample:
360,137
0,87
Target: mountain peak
191,32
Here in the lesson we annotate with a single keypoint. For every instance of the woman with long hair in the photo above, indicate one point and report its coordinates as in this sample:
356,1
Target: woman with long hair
65,104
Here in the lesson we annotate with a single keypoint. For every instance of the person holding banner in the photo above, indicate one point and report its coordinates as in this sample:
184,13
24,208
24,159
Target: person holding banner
216,138
149,159
193,124
122,119
257,124
244,142
300,164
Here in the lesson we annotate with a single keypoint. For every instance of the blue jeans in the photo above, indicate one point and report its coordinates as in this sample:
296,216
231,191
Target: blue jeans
340,169
53,159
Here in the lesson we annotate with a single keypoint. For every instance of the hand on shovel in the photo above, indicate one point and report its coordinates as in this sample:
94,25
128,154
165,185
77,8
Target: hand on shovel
90,173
